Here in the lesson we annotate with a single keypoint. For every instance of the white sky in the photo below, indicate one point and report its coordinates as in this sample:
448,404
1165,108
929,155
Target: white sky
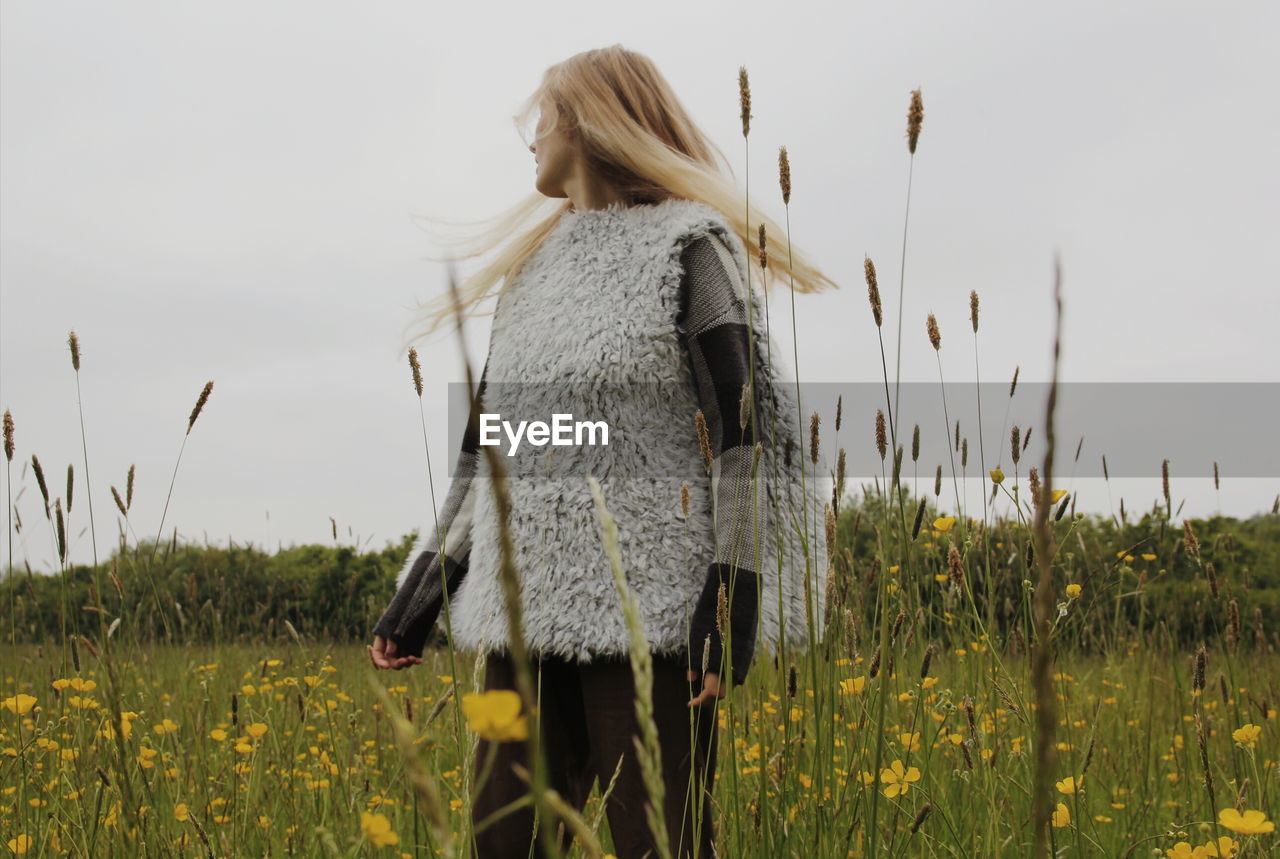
227,191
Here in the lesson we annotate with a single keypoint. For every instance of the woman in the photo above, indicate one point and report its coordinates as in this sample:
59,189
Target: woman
629,305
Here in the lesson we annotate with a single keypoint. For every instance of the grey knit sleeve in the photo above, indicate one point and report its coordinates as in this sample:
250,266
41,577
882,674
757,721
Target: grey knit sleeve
713,326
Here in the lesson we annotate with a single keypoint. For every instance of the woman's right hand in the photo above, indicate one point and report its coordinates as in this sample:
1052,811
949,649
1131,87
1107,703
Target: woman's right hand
384,654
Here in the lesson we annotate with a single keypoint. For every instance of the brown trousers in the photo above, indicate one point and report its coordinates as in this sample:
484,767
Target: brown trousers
587,725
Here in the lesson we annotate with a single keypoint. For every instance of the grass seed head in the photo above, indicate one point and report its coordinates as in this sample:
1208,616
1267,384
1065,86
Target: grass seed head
44,487
915,118
813,438
704,439
204,398
915,529
921,816
928,658
973,309
764,254
74,343
1189,539
8,436
873,291
935,337
882,436
955,565
62,531
784,175
744,99
722,610
416,369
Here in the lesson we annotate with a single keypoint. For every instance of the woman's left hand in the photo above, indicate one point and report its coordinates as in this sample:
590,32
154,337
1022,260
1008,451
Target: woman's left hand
711,688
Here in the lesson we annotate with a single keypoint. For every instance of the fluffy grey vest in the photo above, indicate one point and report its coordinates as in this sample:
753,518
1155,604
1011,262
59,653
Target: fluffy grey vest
592,318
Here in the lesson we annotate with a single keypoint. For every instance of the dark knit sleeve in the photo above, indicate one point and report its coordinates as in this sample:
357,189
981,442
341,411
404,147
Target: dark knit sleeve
713,326
440,562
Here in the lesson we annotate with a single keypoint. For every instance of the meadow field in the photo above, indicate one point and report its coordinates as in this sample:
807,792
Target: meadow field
1023,679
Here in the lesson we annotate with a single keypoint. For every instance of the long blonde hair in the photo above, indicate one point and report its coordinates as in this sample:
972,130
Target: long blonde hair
637,137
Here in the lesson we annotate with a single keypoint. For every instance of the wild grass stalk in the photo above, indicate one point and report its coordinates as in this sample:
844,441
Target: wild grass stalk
8,572
648,751
510,580
73,343
415,369
191,422
1042,660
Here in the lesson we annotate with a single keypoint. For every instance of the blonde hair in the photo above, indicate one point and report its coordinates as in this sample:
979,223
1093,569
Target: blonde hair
637,137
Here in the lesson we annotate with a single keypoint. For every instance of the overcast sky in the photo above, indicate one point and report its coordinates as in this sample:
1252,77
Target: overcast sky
228,191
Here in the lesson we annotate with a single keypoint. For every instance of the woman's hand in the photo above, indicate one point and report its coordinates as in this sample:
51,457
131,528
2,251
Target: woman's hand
384,654
711,688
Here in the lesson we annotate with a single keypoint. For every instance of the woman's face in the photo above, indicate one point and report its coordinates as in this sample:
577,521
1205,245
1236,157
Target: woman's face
555,154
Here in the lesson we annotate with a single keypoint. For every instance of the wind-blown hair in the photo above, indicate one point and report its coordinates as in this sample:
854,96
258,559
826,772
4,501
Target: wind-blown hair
638,138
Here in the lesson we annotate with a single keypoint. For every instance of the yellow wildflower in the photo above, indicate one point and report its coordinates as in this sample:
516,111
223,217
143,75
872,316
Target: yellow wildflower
944,523
377,828
898,779
181,812
852,685
997,476
1061,816
21,844
20,705
257,729
495,715
1247,735
1069,785
1073,590
1250,822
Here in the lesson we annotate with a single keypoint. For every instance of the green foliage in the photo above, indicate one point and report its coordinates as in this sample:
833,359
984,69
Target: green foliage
214,594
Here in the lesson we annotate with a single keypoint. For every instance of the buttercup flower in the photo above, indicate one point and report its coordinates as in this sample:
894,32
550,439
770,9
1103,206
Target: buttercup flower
898,779
495,715
1069,785
1250,822
1247,735
21,705
377,828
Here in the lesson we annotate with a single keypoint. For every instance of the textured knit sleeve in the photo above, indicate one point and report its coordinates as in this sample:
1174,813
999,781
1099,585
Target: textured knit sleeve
713,327
439,561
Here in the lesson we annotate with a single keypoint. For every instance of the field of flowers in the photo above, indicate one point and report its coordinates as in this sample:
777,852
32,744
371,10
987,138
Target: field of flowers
1009,683
235,752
